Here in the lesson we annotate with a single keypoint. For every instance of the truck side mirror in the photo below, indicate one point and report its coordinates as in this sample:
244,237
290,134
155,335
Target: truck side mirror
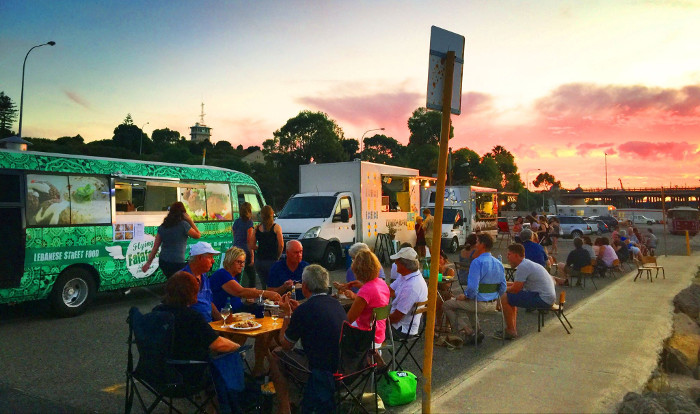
344,215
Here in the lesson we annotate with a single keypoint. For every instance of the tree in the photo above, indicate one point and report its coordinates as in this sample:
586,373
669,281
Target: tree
165,136
350,146
465,167
306,136
551,184
425,127
130,137
381,149
510,179
8,115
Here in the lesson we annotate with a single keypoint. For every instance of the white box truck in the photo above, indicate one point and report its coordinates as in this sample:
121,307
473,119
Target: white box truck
346,202
466,210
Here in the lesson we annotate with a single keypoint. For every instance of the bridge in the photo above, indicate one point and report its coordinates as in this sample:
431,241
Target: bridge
649,197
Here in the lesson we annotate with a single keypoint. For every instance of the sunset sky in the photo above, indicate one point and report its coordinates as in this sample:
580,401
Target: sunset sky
558,83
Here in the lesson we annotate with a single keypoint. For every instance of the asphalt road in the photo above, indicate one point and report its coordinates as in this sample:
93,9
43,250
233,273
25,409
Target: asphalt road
78,364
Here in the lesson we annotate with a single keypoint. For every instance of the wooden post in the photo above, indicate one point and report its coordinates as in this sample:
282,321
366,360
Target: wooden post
687,242
663,212
437,231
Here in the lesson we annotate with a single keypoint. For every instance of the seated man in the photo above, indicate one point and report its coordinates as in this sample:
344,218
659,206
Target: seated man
200,262
484,269
533,251
286,273
409,289
317,323
577,258
533,288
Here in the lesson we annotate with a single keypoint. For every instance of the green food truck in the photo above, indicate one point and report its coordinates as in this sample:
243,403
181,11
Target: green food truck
76,225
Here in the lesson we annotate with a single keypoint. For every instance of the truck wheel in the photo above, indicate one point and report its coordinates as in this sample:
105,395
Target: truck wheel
650,222
331,258
72,292
454,245
576,233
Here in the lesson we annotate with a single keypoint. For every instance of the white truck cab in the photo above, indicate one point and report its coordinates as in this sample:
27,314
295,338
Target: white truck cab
346,202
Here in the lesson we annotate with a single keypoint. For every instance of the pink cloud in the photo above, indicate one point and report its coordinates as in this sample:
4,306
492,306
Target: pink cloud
679,151
585,148
77,99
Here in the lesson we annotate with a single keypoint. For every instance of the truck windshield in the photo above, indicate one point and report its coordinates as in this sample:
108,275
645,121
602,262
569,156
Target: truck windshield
449,215
308,207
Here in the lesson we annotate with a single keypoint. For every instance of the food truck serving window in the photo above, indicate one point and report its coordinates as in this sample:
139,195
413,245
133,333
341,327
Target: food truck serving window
395,193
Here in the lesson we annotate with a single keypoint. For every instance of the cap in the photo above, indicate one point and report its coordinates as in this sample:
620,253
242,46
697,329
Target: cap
405,253
526,234
202,248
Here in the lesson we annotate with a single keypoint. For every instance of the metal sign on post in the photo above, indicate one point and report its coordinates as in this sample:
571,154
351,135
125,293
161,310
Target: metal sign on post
441,42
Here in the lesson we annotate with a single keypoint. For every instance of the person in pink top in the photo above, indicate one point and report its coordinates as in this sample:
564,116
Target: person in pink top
374,293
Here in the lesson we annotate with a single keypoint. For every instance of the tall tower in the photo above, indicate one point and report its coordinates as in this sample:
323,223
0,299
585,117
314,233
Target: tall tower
200,132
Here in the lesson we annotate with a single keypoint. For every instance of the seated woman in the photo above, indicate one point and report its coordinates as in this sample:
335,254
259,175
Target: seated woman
606,255
350,275
444,288
226,288
466,255
374,293
517,228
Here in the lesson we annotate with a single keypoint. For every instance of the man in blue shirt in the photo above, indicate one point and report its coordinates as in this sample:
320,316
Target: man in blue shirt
484,269
200,262
533,251
285,273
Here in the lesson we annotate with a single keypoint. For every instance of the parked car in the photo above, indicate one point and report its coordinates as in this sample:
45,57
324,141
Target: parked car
610,221
598,226
574,226
643,220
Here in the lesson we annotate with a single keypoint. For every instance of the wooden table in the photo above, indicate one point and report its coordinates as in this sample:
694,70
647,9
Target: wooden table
266,322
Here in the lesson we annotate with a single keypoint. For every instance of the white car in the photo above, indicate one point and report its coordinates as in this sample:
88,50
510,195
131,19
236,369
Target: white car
643,220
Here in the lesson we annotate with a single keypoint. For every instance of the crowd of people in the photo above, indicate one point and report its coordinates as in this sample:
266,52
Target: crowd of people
305,348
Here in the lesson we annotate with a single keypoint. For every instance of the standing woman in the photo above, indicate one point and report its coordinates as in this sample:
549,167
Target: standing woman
172,240
374,293
268,242
554,230
243,238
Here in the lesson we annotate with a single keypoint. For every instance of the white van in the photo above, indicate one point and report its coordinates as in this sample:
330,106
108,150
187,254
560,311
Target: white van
346,202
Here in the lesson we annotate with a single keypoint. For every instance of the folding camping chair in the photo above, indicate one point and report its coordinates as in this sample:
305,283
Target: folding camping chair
165,378
356,365
407,341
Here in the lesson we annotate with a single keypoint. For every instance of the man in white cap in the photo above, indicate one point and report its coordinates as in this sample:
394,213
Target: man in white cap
408,289
200,262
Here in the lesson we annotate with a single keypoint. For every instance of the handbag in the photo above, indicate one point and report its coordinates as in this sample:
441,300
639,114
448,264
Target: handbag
397,388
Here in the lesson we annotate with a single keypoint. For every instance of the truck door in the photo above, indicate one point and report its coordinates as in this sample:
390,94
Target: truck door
12,224
345,230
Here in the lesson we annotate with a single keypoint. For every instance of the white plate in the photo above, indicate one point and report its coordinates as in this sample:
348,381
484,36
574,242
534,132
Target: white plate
273,305
257,326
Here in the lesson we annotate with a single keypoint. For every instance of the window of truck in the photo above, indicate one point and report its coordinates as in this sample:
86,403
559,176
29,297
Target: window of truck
250,195
343,203
395,192
64,200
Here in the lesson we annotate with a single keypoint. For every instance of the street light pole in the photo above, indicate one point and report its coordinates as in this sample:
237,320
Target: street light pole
363,138
527,184
21,96
141,143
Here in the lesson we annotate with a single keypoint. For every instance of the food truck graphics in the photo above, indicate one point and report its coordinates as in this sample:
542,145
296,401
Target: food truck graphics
75,225
466,210
346,202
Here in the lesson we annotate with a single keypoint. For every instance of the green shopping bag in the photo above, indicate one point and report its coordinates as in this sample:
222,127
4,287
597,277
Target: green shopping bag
397,388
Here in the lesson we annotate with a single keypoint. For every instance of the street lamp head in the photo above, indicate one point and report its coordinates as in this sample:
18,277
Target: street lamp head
51,43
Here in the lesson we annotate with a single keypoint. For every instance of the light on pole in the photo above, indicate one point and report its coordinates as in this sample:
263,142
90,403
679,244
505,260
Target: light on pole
527,184
21,96
363,138
141,143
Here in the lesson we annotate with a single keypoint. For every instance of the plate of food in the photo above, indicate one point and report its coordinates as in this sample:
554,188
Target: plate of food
238,317
247,325
271,303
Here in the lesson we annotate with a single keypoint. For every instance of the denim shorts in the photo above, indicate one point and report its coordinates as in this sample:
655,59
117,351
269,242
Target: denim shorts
526,299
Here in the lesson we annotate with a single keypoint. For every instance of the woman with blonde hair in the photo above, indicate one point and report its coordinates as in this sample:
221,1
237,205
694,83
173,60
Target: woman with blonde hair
243,235
374,293
268,244
226,288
